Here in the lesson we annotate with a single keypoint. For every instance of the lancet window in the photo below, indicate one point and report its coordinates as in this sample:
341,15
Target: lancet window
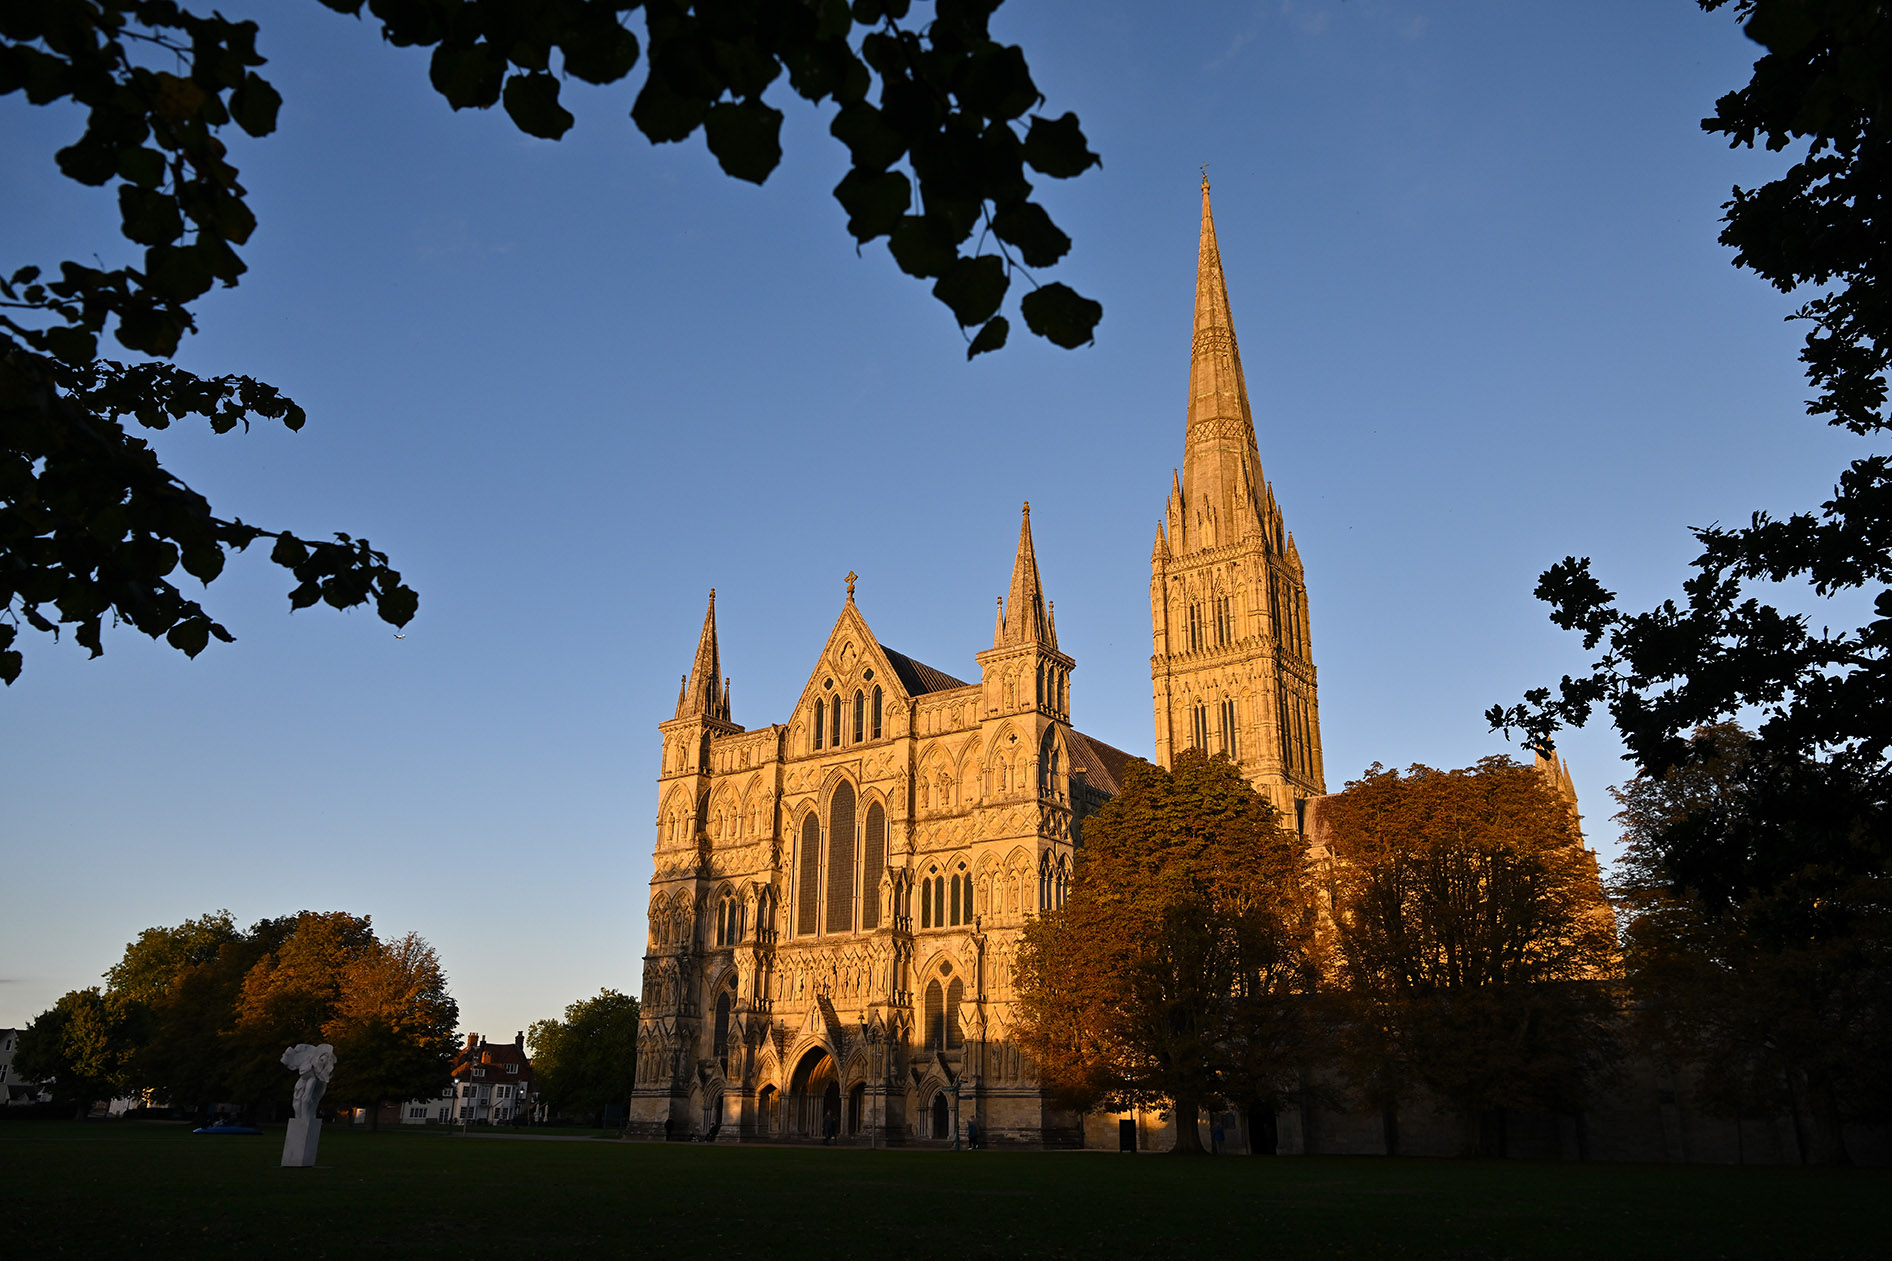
1229,728
841,860
808,895
834,724
821,710
873,862
860,716
876,711
1195,627
1199,726
1224,621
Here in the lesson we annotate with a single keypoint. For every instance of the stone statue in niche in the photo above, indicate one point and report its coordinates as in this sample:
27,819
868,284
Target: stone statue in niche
314,1066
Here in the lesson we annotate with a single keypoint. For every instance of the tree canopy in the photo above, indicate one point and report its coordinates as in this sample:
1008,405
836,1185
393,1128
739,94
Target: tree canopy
943,145
1759,932
1471,924
587,1062
1179,971
200,1014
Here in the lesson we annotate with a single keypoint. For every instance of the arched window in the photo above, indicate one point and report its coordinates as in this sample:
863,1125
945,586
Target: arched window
860,717
808,895
722,1031
820,714
834,724
1229,728
1064,881
841,860
1199,726
873,862
955,900
935,1016
954,993
1195,627
876,711
939,901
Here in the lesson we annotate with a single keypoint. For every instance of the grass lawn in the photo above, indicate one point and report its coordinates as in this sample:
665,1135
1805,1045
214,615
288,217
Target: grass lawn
108,1189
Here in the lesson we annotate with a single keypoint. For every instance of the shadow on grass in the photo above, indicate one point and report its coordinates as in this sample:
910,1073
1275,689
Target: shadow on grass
102,1188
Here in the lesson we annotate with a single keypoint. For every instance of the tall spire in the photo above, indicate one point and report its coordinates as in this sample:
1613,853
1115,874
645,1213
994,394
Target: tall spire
1221,464
704,695
1022,618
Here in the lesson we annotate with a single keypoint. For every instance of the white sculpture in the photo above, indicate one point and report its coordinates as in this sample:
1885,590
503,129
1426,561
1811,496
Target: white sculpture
315,1064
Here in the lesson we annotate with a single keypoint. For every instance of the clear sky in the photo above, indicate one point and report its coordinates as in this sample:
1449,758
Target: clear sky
570,387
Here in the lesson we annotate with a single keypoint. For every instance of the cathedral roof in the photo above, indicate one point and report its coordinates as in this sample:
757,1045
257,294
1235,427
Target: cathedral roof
917,677
1104,765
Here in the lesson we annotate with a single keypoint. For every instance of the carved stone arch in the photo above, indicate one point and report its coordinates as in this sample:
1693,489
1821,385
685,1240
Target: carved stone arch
859,1068
722,813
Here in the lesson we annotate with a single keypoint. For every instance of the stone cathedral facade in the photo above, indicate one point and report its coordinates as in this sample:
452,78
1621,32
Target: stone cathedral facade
836,897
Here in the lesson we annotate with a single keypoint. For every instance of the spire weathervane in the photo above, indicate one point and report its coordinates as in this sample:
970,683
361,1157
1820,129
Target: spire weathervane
1205,177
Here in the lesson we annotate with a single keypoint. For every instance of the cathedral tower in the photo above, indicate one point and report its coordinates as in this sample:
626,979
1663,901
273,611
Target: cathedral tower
1231,664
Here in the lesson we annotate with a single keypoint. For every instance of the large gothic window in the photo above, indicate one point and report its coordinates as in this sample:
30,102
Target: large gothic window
841,860
873,861
808,894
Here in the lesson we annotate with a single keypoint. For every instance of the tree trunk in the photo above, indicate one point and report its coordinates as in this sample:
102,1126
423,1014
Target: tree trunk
1188,1136
1829,1138
374,1117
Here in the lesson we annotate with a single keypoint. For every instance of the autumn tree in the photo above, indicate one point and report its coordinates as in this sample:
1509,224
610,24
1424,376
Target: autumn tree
1773,984
392,1026
587,1062
200,1013
1473,933
944,145
1178,972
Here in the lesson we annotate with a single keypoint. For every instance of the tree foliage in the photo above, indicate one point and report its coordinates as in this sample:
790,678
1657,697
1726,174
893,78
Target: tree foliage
1472,932
200,1013
1180,971
939,124
1759,943
76,1047
1821,86
587,1062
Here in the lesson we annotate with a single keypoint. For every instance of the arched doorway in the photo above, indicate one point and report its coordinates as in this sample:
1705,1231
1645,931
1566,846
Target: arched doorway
857,1108
942,1116
814,1096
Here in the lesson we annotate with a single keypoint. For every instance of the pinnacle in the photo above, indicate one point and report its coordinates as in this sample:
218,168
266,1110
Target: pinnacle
1022,616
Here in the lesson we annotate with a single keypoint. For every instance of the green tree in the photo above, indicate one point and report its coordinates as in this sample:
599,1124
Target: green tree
1473,935
78,1047
938,123
1179,972
586,1062
1772,983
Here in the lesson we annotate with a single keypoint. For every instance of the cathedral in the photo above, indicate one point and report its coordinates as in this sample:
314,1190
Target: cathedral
836,897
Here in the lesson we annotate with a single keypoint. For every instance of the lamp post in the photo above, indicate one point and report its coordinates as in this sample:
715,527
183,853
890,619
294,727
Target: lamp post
955,1090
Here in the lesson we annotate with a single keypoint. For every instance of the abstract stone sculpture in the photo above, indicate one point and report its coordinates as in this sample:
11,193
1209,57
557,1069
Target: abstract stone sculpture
315,1064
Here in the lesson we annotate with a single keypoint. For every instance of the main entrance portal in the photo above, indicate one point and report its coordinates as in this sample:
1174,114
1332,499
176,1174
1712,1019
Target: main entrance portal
814,1097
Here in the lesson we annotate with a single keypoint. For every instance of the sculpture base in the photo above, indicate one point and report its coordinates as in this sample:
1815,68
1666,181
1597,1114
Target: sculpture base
298,1146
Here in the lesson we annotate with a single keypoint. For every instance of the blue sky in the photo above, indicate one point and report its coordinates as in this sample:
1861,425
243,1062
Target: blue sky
570,387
